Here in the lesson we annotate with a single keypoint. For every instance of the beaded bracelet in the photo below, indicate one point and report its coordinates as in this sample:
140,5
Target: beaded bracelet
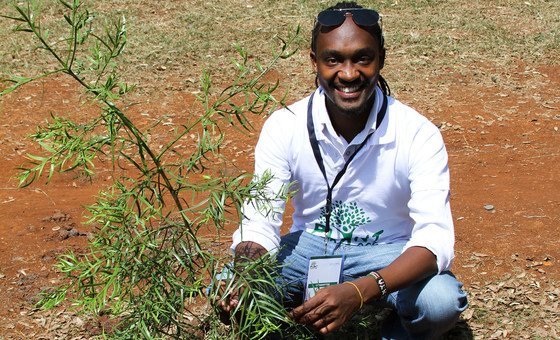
359,293
381,283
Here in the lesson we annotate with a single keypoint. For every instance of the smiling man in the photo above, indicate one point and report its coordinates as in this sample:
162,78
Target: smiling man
372,221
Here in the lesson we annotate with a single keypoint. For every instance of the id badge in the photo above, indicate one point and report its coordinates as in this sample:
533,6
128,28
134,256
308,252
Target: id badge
322,271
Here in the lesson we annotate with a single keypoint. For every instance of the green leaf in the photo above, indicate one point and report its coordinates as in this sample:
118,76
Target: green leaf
12,18
23,29
66,4
25,16
68,20
37,158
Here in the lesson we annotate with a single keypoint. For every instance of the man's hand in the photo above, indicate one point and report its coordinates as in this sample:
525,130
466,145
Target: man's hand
332,306
227,306
329,309
245,251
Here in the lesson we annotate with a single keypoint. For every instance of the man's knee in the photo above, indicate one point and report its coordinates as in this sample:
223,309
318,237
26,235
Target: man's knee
432,306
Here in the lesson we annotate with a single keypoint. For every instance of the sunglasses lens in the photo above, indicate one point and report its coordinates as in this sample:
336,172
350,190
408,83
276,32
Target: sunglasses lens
331,18
362,17
365,17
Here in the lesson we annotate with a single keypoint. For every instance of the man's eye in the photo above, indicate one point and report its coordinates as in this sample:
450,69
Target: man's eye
331,61
365,60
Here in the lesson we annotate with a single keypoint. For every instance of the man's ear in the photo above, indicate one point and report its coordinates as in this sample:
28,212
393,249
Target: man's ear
313,58
382,59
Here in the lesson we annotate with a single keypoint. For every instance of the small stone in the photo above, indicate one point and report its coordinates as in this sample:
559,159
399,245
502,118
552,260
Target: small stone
63,234
488,207
73,232
79,322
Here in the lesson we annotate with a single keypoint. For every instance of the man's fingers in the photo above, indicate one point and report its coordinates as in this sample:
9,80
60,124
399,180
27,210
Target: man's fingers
321,322
225,306
329,328
311,317
233,304
228,305
225,310
305,308
316,315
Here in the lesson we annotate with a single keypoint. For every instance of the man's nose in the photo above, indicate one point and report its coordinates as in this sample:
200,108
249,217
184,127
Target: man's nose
348,72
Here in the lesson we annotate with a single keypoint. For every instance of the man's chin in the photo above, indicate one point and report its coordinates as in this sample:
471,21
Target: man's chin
354,108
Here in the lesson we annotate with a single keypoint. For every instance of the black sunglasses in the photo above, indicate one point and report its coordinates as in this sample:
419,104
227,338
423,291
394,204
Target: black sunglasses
361,16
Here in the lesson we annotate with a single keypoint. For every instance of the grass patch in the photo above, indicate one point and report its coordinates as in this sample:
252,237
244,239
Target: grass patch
175,41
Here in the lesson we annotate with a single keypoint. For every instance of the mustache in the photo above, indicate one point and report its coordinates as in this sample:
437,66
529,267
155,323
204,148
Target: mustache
353,86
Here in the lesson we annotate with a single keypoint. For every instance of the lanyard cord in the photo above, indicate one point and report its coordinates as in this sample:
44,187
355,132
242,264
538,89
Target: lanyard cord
319,158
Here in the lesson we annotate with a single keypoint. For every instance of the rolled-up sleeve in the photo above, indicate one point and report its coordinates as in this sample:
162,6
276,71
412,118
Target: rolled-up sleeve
429,203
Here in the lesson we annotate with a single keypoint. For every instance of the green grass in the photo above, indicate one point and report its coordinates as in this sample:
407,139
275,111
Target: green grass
174,41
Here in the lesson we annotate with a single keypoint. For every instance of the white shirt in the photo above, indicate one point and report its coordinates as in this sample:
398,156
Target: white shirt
396,189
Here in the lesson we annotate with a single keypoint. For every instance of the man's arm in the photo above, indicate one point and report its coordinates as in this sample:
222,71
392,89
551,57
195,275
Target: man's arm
262,215
248,250
259,231
413,265
332,306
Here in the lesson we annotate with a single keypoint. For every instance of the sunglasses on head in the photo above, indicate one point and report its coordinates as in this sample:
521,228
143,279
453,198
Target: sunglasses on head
361,16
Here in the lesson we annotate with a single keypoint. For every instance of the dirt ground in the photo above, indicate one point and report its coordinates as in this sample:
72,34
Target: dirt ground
504,151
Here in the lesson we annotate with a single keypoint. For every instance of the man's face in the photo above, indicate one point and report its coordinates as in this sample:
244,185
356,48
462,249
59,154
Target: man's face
347,61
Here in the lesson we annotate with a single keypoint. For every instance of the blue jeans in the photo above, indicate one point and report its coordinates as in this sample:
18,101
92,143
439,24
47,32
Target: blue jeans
426,310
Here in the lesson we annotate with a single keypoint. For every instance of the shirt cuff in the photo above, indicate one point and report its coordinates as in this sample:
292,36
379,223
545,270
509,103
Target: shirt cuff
246,234
441,249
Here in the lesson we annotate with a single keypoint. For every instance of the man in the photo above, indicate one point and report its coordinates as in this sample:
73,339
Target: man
371,187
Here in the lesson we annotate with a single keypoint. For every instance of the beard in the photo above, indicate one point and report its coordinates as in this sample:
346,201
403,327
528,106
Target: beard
351,108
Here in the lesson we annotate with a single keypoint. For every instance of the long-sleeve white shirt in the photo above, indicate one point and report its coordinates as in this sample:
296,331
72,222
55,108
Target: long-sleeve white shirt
396,189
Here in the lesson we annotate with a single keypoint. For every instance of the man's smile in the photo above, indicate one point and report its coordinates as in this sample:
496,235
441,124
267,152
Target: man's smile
349,91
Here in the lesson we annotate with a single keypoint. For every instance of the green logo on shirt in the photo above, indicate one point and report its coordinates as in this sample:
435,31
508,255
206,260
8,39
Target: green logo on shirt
346,218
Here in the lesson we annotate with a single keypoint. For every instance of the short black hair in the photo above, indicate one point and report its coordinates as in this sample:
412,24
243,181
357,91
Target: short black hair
375,30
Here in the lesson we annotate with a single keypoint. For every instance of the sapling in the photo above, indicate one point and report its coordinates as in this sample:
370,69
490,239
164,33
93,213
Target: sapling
147,264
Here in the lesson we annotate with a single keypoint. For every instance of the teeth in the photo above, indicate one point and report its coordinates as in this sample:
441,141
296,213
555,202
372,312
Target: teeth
348,89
